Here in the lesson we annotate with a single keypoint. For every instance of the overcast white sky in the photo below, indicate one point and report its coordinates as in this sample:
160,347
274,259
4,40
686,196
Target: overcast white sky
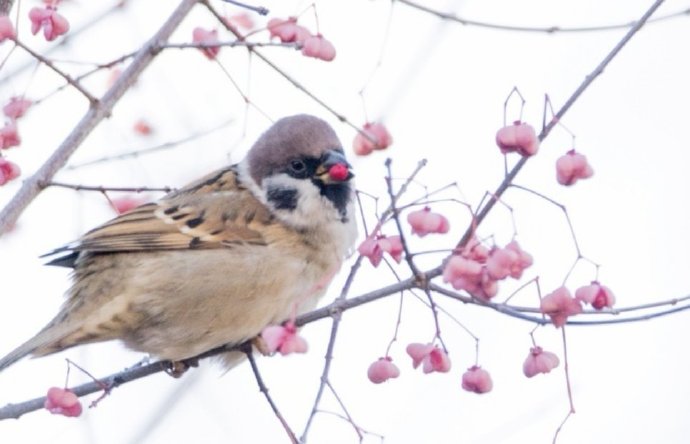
440,89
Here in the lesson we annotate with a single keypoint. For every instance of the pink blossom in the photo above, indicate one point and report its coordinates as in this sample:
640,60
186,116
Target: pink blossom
382,370
9,136
318,47
519,137
559,305
572,166
432,358
8,171
284,339
477,380
16,107
375,137
288,31
206,37
6,29
125,203
599,296
61,401
539,361
53,24
425,221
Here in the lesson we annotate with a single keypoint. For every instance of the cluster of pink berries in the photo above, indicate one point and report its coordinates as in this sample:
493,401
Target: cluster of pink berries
432,359
313,45
560,304
9,136
477,269
53,25
521,138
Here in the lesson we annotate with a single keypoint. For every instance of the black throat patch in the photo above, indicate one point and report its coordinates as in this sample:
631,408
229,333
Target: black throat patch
282,198
338,193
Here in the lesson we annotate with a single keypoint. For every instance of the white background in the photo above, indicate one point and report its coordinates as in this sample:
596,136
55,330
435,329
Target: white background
440,89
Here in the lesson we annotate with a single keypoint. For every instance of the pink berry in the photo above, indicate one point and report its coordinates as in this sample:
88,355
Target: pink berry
8,171
559,305
142,127
382,370
599,296
572,166
425,221
477,380
204,36
318,47
375,137
125,203
6,29
9,136
371,249
539,361
61,401
393,246
284,339
242,20
16,107
288,30
508,261
432,358
53,24
519,137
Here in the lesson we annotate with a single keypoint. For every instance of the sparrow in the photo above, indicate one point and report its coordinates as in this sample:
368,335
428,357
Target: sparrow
213,263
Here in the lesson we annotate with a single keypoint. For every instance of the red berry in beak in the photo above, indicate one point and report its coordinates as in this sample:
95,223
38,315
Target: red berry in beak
339,172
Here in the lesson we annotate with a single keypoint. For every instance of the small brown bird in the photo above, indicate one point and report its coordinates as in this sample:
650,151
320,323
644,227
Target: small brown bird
217,261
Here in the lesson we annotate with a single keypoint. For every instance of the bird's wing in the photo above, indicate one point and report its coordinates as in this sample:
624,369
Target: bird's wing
213,212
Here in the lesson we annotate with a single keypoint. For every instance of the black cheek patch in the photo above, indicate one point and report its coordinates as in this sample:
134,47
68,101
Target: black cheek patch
282,198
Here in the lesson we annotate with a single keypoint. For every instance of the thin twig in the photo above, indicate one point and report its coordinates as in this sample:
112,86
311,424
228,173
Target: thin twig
72,82
264,390
104,189
538,29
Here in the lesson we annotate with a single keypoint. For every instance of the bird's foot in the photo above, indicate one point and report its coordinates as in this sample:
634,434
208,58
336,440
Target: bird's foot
178,368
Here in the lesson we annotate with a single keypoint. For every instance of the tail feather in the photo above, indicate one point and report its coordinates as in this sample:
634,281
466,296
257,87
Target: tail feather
47,341
20,352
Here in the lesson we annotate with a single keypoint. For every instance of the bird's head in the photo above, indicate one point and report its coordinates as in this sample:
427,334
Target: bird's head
301,172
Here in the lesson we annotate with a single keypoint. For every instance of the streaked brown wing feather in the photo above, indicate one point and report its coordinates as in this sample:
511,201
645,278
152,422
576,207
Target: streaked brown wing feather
213,212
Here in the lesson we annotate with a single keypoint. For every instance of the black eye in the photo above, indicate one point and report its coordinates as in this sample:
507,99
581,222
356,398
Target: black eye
297,166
